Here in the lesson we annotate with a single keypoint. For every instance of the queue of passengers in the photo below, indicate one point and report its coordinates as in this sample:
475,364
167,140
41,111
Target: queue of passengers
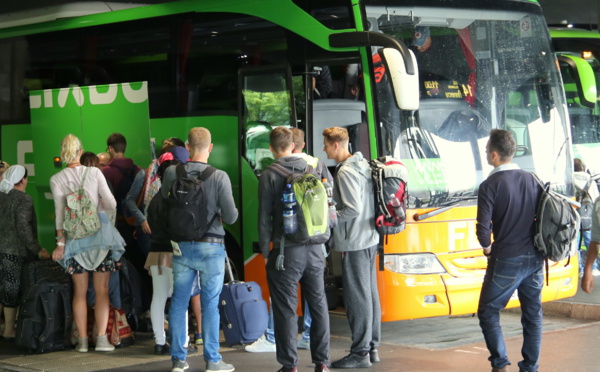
189,267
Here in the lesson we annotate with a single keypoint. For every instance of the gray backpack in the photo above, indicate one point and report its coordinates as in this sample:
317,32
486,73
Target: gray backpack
557,224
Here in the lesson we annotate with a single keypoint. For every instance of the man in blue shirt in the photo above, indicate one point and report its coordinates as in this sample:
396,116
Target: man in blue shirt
506,208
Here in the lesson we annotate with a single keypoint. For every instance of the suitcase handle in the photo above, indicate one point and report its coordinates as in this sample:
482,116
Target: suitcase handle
228,266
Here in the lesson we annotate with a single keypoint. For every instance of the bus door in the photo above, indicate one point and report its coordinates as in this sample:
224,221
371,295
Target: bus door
91,113
266,103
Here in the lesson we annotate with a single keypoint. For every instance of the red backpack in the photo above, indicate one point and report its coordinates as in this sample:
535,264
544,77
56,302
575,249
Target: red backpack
391,194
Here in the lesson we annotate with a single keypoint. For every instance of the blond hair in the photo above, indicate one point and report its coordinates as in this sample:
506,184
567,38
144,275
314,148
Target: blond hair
3,168
298,139
281,139
69,149
199,139
336,134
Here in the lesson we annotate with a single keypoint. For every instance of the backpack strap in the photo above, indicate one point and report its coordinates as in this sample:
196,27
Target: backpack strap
85,174
182,173
207,172
586,190
286,173
140,198
280,170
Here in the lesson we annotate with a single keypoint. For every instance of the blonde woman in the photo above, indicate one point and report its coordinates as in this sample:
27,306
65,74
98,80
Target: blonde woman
99,253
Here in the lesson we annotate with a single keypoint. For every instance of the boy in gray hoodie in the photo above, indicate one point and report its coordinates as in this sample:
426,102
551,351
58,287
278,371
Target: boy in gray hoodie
356,237
304,263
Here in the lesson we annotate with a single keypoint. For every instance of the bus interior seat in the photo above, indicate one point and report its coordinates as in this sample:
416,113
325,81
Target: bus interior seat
359,139
434,111
516,108
331,113
464,125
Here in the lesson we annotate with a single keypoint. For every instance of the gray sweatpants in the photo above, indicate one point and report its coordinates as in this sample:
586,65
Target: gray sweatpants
304,265
361,298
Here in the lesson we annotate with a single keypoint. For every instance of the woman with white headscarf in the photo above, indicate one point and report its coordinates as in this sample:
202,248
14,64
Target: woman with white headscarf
18,240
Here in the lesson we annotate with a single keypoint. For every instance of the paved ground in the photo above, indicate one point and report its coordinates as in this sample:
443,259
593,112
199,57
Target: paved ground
435,344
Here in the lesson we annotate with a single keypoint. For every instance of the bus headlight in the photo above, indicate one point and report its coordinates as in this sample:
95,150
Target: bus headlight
413,263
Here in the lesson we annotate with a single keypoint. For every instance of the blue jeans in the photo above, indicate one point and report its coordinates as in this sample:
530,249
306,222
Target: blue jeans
307,322
114,290
208,259
587,239
503,276
270,332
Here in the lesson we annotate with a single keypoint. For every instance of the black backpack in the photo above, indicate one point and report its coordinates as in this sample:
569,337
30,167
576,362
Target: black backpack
45,313
556,224
187,206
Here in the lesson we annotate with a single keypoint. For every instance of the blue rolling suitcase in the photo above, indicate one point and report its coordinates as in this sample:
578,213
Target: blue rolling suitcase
243,311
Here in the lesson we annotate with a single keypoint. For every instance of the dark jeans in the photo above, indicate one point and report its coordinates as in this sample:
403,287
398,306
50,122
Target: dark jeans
503,276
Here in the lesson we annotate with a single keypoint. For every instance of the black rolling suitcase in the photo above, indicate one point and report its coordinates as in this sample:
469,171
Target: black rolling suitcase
243,311
45,313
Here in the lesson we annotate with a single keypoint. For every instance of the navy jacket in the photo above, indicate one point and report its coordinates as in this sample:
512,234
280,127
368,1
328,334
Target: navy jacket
506,208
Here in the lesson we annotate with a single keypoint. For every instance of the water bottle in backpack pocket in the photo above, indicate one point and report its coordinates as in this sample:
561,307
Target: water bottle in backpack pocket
290,219
331,203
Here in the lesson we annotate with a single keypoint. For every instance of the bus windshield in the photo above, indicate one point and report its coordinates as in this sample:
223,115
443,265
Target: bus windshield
478,70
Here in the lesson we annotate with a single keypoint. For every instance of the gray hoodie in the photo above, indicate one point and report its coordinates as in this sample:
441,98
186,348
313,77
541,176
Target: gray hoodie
353,193
270,205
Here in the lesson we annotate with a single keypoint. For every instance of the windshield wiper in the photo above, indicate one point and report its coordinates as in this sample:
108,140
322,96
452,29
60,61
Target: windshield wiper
435,212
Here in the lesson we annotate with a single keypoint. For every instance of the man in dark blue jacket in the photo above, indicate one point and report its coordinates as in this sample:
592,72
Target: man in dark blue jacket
506,208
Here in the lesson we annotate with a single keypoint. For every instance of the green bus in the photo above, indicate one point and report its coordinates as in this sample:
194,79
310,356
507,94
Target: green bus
423,81
578,52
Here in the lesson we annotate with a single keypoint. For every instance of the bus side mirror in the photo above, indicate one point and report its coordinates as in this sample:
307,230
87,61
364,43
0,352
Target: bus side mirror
581,72
404,85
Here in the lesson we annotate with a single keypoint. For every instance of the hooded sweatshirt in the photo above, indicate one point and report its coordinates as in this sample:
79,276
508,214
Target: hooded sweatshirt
270,205
353,193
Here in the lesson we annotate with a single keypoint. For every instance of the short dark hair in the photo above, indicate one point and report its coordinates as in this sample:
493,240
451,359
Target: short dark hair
502,142
117,141
89,159
578,165
281,138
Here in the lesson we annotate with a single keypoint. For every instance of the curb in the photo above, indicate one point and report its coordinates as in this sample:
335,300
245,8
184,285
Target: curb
574,310
6,367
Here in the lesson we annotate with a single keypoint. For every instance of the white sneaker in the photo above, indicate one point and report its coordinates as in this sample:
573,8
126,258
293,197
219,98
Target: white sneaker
82,345
303,344
102,344
261,346
596,272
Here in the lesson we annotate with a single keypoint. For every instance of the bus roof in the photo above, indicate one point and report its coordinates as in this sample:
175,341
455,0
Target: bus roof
62,11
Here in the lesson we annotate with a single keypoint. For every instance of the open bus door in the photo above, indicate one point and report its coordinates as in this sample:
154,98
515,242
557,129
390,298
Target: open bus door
266,103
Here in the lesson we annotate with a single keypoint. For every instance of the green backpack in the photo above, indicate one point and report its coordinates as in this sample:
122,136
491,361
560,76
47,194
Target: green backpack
312,208
81,216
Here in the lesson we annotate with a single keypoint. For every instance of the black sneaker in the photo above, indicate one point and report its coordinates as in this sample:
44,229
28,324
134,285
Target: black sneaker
352,360
374,356
161,349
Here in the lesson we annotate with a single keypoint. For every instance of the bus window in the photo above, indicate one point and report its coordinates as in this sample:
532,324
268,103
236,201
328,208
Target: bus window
266,104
